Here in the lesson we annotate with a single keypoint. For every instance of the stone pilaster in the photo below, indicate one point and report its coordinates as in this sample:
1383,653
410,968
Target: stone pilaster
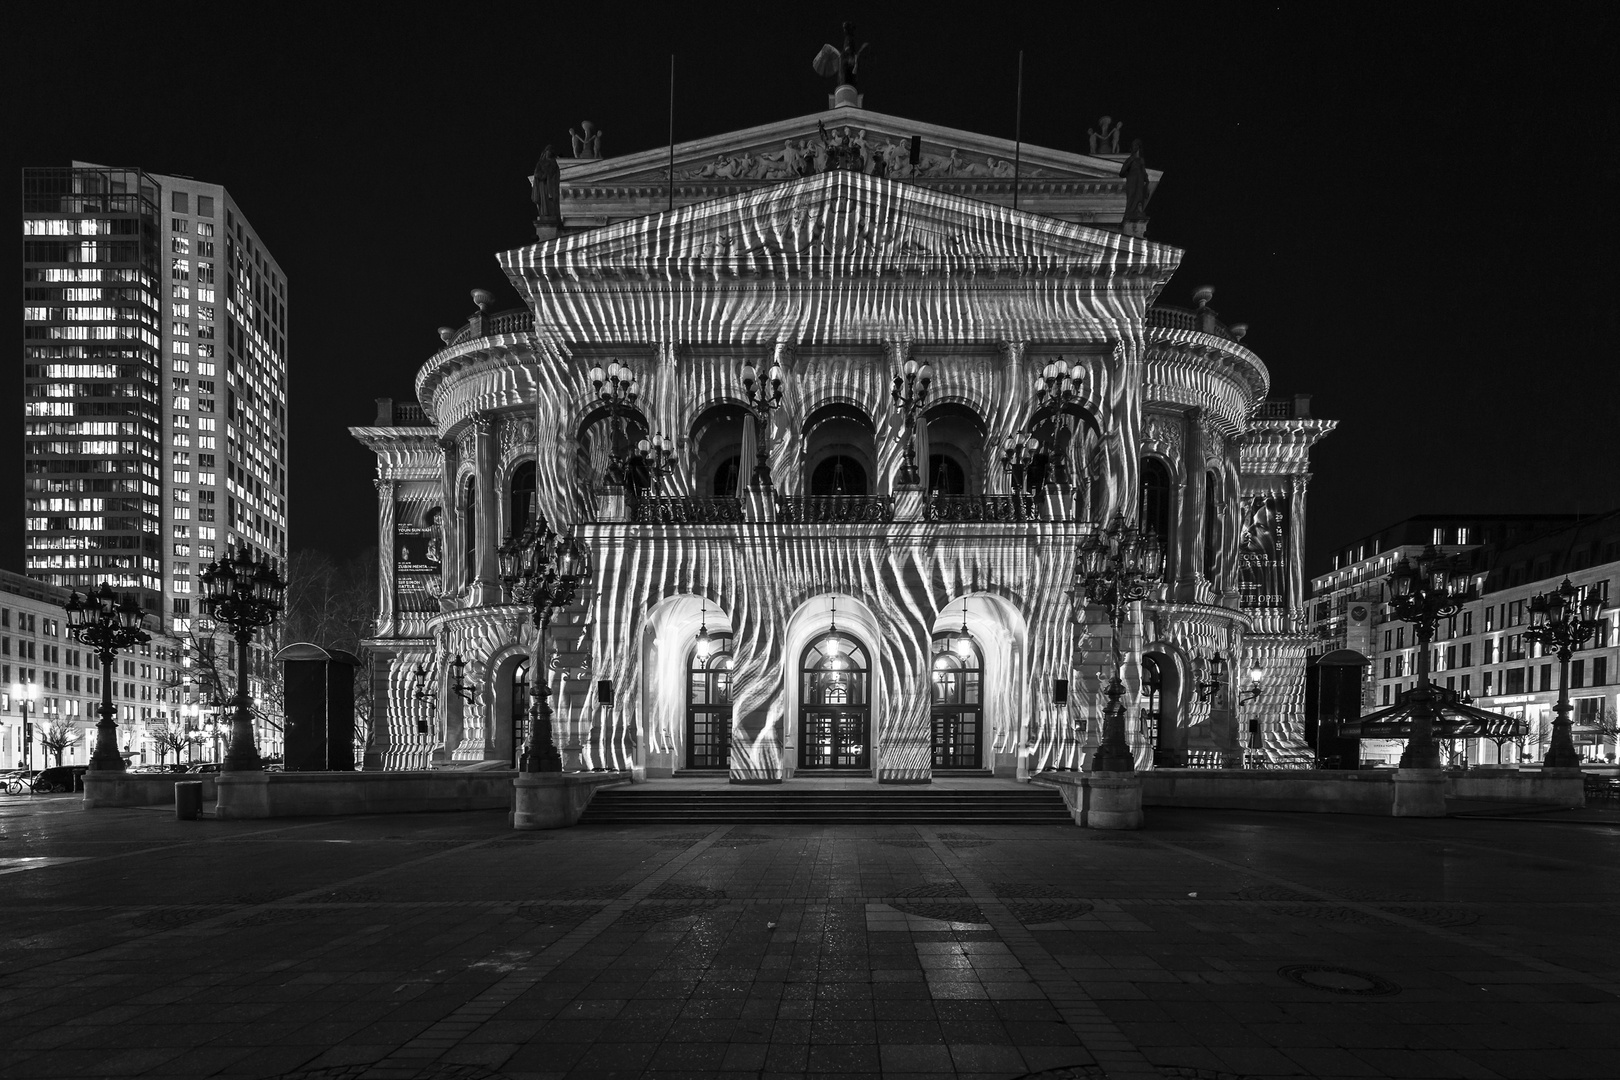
486,584
451,522
1012,396
1191,536
387,553
1294,600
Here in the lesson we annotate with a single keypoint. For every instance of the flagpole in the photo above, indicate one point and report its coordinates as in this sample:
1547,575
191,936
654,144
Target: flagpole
1018,129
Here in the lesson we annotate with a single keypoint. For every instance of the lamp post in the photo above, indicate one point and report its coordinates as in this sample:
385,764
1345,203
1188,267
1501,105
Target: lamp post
910,394
1560,621
1214,677
544,570
1017,453
763,398
657,456
1116,566
1422,594
244,594
103,622
616,386
1057,386
27,694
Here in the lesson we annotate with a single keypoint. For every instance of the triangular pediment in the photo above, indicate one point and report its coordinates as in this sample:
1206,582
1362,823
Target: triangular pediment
841,224
1076,187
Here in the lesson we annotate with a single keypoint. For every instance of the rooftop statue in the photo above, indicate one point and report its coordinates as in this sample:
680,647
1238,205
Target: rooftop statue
832,62
1134,170
1105,136
587,141
547,180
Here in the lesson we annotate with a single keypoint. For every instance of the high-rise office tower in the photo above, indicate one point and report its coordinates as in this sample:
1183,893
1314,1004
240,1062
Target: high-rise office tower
155,377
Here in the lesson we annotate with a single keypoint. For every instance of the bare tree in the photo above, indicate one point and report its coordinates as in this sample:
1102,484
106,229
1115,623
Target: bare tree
59,734
168,735
335,606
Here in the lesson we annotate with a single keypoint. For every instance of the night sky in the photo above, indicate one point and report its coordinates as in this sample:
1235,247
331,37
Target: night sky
1413,211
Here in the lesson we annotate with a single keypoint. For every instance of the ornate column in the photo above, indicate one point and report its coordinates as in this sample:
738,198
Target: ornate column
1190,537
1012,396
1294,598
451,521
891,449
787,447
387,553
486,584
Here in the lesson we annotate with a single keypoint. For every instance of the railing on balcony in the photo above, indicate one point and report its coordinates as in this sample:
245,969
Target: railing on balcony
1175,318
976,508
685,510
834,509
506,322
409,414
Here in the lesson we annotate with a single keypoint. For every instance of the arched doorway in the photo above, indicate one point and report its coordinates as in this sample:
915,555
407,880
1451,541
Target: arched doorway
838,475
956,710
1152,708
835,704
708,705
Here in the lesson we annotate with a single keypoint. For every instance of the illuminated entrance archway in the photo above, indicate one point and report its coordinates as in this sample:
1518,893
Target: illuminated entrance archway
708,705
956,702
835,713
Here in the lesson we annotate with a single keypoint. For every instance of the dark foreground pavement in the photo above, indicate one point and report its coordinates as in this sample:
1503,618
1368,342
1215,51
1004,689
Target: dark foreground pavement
1214,944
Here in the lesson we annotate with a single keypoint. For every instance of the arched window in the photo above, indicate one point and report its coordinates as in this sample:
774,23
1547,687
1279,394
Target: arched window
520,710
945,475
834,705
956,711
708,706
725,478
520,503
1212,531
838,475
1156,500
469,528
1152,689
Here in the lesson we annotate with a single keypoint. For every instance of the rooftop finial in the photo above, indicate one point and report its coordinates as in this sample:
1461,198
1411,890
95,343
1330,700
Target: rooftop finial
841,64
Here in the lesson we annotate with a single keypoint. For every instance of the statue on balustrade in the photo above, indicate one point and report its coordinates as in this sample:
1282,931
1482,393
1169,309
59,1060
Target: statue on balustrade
587,141
1105,136
1134,170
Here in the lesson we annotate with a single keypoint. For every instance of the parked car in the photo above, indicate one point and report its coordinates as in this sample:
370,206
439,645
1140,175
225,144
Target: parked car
206,767
61,778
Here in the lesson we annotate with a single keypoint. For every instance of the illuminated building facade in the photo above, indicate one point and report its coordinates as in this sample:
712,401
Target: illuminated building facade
155,379
841,619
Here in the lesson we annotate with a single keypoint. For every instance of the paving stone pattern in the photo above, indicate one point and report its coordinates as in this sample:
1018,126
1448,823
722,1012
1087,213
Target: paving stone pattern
1214,945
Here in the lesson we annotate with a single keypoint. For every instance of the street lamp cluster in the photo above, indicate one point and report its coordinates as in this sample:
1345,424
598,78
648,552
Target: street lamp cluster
544,570
1116,566
910,394
245,594
617,388
104,623
1560,622
1422,593
763,397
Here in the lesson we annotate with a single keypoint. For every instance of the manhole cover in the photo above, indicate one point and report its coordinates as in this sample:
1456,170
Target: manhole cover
342,896
168,918
1338,980
651,914
1330,913
1032,913
672,890
943,911
1434,916
1274,892
557,914
941,888
1023,889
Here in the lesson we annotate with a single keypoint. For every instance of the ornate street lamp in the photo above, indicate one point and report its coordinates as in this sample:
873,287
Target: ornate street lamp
617,387
244,594
910,394
1422,594
1256,687
657,456
763,398
1114,567
1215,677
108,625
543,570
1560,622
1017,454
1059,384
458,685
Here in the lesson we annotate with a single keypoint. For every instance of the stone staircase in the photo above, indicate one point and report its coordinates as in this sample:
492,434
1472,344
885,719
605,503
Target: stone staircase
997,804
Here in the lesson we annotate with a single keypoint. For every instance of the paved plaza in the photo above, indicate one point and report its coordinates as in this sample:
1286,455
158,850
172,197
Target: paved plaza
1213,944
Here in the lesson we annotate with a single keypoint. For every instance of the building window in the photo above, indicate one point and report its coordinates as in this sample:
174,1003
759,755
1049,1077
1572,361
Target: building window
708,706
1513,681
1546,677
1156,498
1468,622
180,202
1439,536
1385,700
205,208
1389,664
1212,531
522,497
1600,671
469,528
1577,674
1467,654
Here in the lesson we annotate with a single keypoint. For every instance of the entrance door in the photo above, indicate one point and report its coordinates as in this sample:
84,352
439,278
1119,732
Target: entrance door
520,710
956,709
708,706
834,704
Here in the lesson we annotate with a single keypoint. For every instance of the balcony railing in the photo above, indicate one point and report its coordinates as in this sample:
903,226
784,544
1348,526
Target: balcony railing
507,322
834,509
975,508
685,510
1175,318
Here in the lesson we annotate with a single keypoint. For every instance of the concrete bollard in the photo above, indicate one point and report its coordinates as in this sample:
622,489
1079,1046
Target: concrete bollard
188,800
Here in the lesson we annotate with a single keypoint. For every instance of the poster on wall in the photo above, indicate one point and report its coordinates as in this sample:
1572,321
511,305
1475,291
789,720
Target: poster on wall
1263,552
418,555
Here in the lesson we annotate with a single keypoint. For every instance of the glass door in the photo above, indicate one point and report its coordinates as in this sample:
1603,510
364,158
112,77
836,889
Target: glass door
834,704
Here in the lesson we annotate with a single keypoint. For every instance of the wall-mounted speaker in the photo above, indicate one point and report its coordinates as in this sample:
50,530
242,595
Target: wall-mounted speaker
1060,691
604,691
